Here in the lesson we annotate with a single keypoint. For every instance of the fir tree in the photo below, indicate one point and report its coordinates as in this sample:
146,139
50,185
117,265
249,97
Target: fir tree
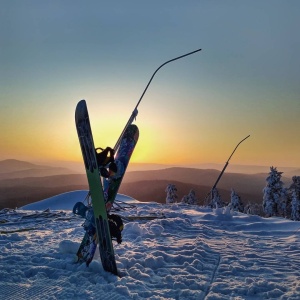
171,191
236,204
274,199
190,198
185,199
216,200
294,190
253,209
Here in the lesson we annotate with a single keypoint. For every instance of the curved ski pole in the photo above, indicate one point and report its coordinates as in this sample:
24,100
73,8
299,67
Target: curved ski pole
227,163
135,111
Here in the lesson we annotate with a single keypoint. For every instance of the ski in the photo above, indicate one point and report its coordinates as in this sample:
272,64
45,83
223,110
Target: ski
96,190
127,145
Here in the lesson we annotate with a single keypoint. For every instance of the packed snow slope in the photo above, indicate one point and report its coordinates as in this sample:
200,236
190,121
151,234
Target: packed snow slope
170,252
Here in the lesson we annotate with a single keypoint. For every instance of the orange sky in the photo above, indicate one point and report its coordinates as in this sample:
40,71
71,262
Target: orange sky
244,81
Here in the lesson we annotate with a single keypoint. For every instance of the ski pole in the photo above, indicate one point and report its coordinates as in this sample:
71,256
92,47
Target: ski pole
135,111
227,163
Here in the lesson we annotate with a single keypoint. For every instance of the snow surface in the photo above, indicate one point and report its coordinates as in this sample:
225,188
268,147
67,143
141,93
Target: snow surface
192,253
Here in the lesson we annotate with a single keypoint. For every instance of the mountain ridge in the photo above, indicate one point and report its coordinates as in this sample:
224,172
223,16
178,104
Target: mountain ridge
12,165
16,190
13,168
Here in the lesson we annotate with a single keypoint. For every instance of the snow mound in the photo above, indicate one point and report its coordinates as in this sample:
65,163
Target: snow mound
67,200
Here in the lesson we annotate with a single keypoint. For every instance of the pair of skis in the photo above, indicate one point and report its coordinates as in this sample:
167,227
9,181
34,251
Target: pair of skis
124,148
101,193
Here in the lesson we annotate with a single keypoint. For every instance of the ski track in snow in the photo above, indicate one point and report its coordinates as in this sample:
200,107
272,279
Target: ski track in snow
193,253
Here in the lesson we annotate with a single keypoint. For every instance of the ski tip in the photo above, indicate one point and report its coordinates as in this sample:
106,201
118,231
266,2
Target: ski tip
81,103
80,110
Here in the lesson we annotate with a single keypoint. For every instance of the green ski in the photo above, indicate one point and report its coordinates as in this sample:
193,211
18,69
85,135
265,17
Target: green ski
90,161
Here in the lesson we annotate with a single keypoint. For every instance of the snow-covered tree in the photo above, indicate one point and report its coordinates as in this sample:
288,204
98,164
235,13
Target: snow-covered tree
274,199
253,209
185,199
171,191
190,198
236,204
216,200
294,190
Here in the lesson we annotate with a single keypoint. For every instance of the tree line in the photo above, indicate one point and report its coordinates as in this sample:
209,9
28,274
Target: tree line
277,201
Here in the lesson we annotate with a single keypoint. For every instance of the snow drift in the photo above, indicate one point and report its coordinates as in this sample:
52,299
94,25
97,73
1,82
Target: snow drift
182,252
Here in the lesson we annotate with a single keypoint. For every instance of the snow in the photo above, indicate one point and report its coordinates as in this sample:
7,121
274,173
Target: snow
65,201
192,253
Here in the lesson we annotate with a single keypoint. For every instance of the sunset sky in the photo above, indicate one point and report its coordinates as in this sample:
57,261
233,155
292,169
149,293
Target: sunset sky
246,79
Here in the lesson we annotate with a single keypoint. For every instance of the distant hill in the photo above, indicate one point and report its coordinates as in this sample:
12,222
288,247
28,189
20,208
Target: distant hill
231,168
12,168
248,186
48,181
13,165
245,169
21,191
154,190
202,177
22,183
295,172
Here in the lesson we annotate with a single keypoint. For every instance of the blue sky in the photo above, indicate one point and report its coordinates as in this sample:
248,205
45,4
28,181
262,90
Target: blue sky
244,81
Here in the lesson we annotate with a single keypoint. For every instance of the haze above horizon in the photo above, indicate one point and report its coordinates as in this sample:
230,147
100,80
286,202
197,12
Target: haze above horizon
11,165
244,81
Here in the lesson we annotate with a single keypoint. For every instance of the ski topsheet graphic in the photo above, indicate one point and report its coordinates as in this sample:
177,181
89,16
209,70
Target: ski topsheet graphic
127,145
89,156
